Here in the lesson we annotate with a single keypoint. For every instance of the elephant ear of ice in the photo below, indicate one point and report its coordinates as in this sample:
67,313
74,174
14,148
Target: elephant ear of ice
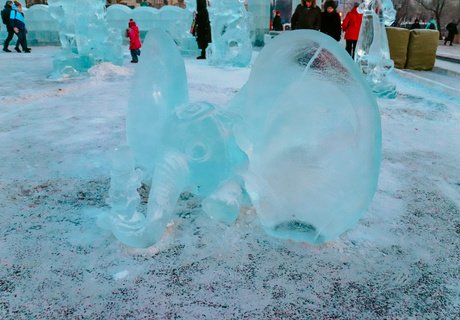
312,132
160,84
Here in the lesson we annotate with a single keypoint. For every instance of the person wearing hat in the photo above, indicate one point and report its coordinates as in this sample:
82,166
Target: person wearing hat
6,12
452,31
351,26
134,41
277,25
330,20
306,16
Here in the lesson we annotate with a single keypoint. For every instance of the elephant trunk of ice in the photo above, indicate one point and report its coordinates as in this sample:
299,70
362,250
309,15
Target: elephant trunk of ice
169,180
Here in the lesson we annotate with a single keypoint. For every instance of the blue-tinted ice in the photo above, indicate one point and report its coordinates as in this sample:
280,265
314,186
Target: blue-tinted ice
177,146
85,38
372,52
311,130
231,42
305,149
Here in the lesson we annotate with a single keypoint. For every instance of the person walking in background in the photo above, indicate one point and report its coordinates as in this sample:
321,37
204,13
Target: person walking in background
351,26
415,25
452,31
18,23
202,29
330,20
134,41
432,24
6,12
306,16
277,25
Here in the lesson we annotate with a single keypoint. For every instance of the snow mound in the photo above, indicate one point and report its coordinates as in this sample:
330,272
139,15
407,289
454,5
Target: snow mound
108,70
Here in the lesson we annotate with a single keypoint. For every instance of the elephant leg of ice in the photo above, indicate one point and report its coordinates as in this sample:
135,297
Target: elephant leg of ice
224,204
169,180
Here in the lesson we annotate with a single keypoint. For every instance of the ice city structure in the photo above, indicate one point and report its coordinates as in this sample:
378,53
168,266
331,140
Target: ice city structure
96,34
372,52
84,35
305,153
231,41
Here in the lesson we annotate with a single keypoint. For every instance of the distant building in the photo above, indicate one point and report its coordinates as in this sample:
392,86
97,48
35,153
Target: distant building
153,3
32,2
131,3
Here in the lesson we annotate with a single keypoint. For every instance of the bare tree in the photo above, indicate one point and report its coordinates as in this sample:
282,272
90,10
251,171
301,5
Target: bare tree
403,8
436,7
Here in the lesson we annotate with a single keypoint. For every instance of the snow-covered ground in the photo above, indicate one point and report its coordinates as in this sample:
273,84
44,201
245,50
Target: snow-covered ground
402,261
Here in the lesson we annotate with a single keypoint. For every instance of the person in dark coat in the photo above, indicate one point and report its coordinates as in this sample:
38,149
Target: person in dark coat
415,25
277,25
330,21
18,23
452,31
202,29
306,16
351,26
6,12
134,41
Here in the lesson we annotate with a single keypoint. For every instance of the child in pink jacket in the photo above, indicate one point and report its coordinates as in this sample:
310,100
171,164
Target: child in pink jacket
134,41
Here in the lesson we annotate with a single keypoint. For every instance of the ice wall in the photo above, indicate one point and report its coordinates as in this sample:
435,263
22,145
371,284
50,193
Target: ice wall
260,11
84,35
117,16
231,42
173,20
42,27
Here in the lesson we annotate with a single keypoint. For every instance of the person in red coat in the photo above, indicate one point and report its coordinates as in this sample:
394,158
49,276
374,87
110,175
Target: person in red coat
351,26
134,41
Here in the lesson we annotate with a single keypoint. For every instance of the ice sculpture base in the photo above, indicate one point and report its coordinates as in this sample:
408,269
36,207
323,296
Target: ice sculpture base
70,65
384,89
297,231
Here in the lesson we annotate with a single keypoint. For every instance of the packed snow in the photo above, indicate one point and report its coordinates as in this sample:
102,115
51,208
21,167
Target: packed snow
401,260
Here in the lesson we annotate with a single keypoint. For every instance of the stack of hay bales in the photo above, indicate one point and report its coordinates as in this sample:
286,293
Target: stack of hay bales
413,49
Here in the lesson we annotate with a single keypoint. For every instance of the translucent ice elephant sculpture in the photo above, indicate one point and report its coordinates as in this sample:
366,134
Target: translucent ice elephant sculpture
313,143
177,146
372,52
313,139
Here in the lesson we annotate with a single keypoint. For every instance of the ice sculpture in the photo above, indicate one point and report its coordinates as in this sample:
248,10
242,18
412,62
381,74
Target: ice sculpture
84,36
231,42
177,145
372,52
306,151
313,141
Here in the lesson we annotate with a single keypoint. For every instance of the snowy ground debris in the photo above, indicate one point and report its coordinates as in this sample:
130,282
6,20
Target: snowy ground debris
400,262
